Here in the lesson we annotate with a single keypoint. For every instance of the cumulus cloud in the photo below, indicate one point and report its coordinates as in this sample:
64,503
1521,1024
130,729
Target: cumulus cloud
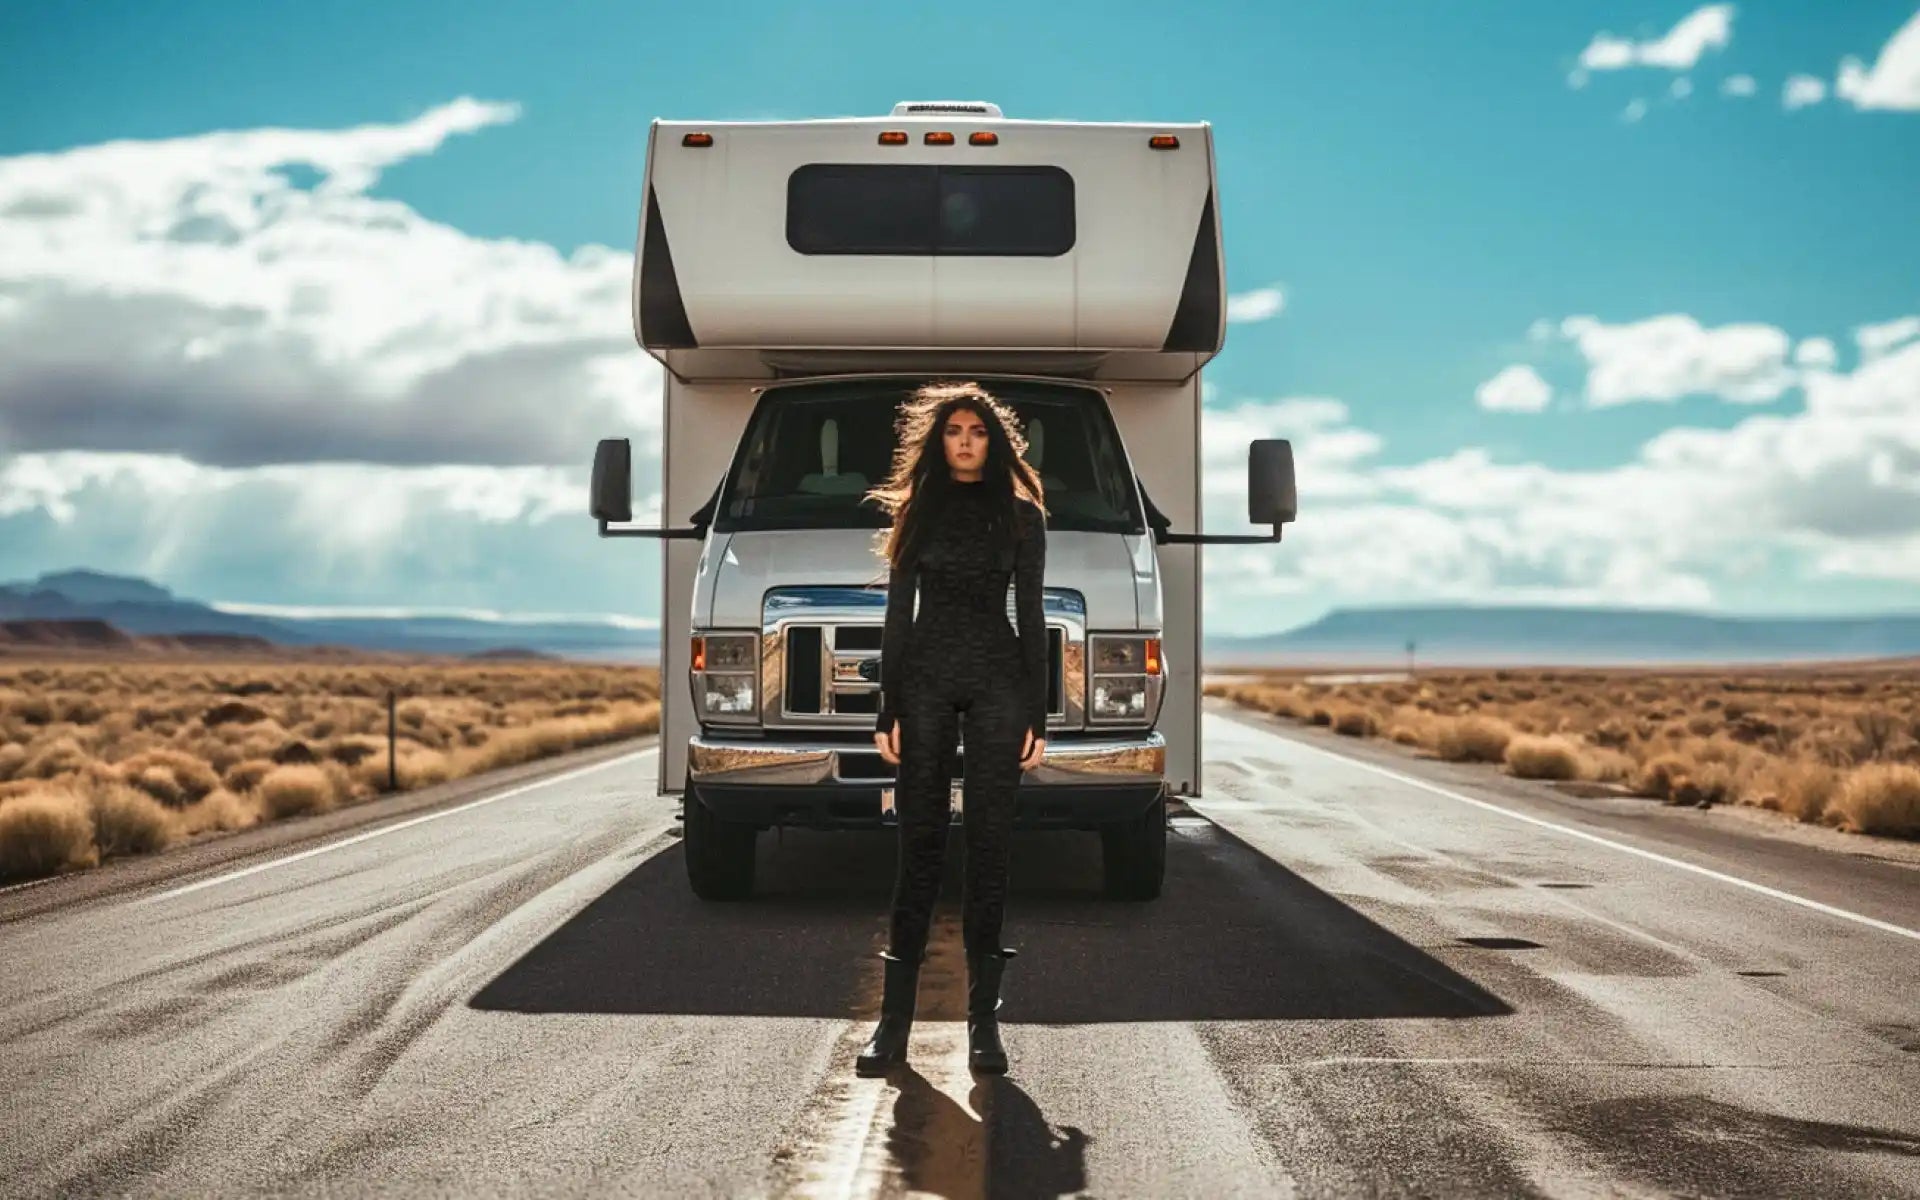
1738,85
1816,353
1516,389
1893,81
1875,340
221,360
1670,356
1833,489
1802,90
256,321
1680,88
1261,304
1707,28
1634,111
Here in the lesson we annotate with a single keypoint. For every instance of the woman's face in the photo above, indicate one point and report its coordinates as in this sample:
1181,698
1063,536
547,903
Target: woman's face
965,438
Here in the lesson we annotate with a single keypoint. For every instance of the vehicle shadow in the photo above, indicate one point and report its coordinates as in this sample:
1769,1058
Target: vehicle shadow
1234,936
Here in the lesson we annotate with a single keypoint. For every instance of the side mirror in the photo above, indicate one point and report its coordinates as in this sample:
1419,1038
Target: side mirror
1270,491
611,496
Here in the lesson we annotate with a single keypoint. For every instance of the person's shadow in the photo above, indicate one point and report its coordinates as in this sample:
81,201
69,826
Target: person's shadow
1000,1137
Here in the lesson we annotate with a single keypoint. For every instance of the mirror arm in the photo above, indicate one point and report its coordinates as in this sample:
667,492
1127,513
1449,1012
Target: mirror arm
691,531
1216,539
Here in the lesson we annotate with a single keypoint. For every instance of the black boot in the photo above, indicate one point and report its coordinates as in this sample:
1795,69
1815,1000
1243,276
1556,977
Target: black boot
888,1045
984,1051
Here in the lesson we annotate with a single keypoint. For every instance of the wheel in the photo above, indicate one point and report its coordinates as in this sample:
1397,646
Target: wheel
719,853
1133,853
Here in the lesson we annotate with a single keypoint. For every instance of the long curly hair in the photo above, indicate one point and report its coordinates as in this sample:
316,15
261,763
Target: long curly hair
918,485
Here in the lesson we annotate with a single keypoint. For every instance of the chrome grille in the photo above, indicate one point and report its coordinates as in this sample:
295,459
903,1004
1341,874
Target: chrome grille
821,654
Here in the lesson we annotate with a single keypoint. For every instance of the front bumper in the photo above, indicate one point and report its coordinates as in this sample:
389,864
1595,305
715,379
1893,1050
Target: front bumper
1081,783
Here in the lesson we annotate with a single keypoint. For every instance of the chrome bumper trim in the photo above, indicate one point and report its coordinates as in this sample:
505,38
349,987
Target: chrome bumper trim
1132,759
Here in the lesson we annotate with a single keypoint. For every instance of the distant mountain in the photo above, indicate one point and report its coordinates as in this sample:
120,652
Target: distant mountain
1468,634
130,605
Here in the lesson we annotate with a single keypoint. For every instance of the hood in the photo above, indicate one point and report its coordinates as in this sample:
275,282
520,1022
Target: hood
1113,572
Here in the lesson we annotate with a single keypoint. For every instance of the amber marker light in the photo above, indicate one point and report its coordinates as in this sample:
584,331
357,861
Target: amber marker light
1164,141
699,653
1153,656
697,140
939,139
893,137
983,139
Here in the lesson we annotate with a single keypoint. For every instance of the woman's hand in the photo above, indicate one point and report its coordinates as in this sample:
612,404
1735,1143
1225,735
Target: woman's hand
1032,752
888,743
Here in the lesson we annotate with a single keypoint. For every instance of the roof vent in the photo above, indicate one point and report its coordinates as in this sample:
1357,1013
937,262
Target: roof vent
915,108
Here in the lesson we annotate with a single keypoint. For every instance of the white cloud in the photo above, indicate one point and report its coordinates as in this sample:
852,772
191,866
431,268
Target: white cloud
1516,389
1816,353
1681,88
1801,91
1706,28
1666,357
1635,109
1833,490
1893,82
261,389
1261,304
257,321
1738,85
1875,340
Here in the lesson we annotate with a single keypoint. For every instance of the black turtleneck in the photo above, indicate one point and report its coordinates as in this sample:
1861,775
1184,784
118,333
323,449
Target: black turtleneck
961,577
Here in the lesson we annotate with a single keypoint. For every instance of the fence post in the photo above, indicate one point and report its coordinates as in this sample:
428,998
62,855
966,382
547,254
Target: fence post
393,737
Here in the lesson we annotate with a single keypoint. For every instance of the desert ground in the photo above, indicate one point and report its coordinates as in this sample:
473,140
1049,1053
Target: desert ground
102,757
1835,744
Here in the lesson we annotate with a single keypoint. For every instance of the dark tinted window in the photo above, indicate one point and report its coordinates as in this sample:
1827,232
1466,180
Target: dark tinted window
811,451
847,208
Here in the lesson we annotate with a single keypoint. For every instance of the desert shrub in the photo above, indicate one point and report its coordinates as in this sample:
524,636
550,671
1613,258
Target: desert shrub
45,832
127,820
244,776
1472,739
1877,798
1802,790
1542,758
1658,775
173,777
1356,722
220,810
294,790
58,756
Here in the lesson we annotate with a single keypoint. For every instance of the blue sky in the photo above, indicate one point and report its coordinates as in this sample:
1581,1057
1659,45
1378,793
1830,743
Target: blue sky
1613,210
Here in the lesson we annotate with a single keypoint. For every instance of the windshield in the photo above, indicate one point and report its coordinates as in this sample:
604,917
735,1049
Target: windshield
812,450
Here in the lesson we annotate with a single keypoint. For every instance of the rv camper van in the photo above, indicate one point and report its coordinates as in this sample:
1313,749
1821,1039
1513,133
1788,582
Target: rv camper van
797,279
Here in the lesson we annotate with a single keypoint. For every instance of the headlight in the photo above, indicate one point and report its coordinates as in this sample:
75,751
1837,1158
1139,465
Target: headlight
1124,674
723,674
1119,697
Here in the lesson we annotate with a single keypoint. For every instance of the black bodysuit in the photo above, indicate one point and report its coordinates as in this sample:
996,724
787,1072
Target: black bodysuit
958,658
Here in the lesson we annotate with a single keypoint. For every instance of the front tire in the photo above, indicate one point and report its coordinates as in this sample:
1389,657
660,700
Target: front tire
719,853
1133,853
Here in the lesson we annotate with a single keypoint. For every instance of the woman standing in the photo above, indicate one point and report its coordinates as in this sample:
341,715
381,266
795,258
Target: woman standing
968,511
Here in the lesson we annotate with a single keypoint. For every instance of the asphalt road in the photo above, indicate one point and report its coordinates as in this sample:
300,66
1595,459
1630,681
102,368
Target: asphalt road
1367,976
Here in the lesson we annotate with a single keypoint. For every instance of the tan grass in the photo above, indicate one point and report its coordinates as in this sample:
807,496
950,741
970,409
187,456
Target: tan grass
1531,757
1472,739
1786,738
1880,798
45,832
293,791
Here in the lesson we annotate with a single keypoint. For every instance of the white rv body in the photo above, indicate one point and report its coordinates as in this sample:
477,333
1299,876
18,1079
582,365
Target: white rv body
736,298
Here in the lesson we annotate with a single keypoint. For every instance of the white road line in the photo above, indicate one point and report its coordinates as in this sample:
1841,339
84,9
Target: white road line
1680,864
269,865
